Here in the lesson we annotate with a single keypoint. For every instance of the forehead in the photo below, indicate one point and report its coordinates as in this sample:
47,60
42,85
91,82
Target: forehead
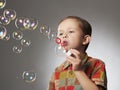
69,23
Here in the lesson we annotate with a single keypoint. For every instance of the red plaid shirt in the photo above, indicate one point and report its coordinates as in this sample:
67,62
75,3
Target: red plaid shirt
64,78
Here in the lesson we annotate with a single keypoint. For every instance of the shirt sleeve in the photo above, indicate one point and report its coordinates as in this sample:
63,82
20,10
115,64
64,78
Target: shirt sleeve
99,76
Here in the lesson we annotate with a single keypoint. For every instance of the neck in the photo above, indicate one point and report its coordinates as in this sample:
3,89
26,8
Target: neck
82,54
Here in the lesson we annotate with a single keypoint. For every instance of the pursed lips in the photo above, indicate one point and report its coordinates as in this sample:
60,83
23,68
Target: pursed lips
64,43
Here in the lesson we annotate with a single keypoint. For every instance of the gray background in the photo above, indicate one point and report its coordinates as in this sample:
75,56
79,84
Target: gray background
104,16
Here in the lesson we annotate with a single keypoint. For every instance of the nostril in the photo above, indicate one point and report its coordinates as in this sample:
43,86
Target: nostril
64,36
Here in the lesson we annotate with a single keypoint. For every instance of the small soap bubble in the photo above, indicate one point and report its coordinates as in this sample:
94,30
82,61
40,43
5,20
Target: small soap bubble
33,23
45,30
10,14
2,3
19,23
7,37
4,20
3,32
17,35
25,42
59,51
26,23
52,36
17,49
29,76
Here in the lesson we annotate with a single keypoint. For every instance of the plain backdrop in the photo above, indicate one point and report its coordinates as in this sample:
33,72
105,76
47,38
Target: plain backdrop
40,56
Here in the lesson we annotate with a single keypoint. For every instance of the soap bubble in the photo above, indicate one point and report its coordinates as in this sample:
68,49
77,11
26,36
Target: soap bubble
3,32
30,23
59,51
17,35
26,23
52,36
25,42
2,3
4,20
7,37
29,76
17,49
59,48
45,30
19,23
10,14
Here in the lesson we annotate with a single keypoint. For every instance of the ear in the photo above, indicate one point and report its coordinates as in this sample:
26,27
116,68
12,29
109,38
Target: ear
87,39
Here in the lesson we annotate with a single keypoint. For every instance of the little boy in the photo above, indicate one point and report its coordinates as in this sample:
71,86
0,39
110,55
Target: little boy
79,71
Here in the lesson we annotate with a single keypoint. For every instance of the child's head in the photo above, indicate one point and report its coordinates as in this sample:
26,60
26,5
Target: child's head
75,31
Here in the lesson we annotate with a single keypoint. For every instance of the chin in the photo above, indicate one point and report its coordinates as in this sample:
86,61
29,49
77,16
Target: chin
66,49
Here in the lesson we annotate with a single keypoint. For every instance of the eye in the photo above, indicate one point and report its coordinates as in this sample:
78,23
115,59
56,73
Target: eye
59,34
71,31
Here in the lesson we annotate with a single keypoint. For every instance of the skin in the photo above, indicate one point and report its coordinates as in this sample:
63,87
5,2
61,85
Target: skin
70,31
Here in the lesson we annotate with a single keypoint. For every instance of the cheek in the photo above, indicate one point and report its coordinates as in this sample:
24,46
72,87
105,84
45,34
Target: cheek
76,42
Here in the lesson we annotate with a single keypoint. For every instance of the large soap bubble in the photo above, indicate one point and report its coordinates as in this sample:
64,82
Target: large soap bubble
2,3
3,32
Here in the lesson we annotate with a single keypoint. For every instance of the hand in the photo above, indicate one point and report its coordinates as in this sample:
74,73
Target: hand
75,59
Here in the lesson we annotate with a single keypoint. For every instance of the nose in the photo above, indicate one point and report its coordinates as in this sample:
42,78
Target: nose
64,35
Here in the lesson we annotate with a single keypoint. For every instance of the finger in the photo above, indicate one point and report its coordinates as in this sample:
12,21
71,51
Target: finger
76,53
70,59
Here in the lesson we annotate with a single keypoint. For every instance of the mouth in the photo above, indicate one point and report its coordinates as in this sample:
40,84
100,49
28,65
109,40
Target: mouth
62,43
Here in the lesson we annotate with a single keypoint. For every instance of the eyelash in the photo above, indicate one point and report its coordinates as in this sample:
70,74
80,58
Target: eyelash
71,31
60,34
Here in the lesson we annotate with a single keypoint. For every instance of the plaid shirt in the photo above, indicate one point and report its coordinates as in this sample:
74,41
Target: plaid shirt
64,78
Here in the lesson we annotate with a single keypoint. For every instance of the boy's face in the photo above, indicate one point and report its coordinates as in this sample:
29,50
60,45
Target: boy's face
71,35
